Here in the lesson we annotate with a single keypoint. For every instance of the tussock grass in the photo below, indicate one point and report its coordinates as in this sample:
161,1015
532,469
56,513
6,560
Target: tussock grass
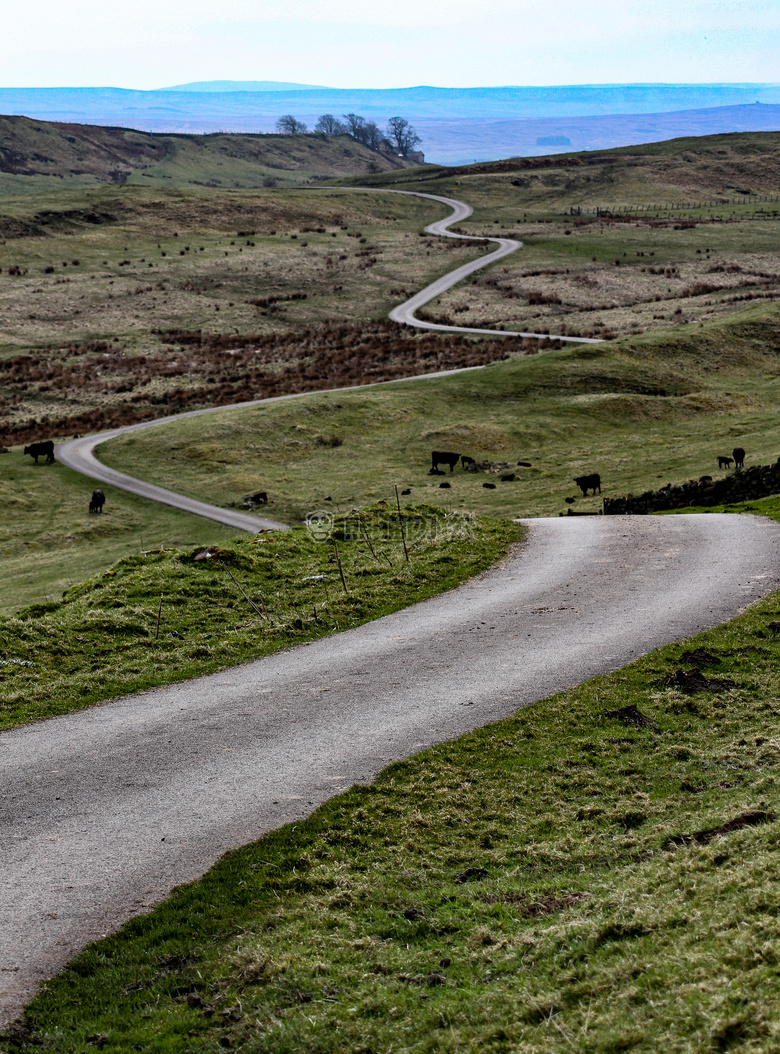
165,615
548,883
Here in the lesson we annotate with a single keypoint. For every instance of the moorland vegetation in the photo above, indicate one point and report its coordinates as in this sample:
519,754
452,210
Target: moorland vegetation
124,303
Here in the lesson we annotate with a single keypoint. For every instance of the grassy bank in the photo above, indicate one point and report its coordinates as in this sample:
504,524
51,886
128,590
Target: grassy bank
165,615
660,407
580,876
49,542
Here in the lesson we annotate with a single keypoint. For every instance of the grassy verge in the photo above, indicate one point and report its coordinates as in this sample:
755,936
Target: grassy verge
761,506
639,411
165,615
561,880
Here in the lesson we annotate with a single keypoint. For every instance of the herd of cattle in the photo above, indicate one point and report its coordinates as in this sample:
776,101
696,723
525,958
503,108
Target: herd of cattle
590,482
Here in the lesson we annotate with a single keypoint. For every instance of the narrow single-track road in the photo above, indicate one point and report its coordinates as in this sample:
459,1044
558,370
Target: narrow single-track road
79,454
103,812
405,313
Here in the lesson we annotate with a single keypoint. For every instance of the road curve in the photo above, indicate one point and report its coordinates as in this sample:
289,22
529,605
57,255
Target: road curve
405,313
79,455
103,812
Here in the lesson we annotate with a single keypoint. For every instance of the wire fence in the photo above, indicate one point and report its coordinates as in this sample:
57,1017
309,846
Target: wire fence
679,206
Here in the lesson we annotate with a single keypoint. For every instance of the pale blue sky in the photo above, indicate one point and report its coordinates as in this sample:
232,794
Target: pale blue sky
399,43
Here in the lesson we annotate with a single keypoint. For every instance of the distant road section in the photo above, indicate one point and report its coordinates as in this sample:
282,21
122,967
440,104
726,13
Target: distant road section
79,454
405,313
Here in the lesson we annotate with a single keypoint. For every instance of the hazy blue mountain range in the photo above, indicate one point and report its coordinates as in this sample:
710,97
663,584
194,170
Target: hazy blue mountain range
221,86
457,125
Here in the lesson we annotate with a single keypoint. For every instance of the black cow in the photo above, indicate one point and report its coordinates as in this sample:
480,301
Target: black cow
97,501
443,458
725,462
586,483
739,457
39,449
466,460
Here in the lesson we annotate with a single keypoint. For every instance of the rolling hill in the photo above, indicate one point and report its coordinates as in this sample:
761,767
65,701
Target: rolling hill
35,152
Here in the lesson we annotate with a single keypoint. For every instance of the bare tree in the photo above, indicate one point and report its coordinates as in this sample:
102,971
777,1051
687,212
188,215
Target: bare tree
372,136
289,125
330,125
404,135
356,126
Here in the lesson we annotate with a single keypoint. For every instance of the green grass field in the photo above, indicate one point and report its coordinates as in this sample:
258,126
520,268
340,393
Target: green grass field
558,881
49,542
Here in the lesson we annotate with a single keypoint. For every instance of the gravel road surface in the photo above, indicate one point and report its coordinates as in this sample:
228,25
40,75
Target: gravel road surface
103,812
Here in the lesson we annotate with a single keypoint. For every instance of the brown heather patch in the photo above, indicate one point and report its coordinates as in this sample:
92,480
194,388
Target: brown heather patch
193,369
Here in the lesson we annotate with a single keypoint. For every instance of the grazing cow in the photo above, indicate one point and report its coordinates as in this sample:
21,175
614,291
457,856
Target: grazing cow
443,458
466,460
97,501
725,462
39,449
739,457
586,483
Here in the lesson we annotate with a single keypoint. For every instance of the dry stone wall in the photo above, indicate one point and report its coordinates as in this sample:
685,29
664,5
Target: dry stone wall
759,481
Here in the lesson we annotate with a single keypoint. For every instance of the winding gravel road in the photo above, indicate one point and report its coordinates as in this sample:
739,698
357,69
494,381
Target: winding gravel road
79,454
103,812
405,313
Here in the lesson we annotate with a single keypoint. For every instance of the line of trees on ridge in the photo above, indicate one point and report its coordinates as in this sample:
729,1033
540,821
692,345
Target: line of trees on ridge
399,136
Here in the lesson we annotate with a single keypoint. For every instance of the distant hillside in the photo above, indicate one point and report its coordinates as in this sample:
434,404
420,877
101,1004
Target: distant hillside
245,86
33,153
735,168
457,125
